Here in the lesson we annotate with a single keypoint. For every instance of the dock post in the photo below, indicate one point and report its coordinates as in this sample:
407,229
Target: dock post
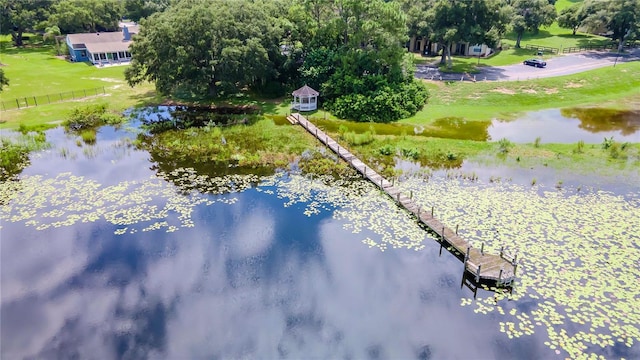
501,250
478,273
432,211
443,233
456,229
482,248
515,259
398,197
411,195
381,179
500,275
418,214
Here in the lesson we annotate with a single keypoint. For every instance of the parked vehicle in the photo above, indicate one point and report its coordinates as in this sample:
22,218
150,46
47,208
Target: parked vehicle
535,62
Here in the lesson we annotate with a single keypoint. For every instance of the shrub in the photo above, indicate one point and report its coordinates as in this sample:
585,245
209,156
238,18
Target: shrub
505,145
386,150
91,116
383,104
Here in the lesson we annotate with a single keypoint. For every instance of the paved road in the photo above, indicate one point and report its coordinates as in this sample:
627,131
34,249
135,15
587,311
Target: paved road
556,66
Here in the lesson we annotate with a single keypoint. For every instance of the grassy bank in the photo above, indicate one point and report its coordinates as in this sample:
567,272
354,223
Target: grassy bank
36,71
611,86
382,153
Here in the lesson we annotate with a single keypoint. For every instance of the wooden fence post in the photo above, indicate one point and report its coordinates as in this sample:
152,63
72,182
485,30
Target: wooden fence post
18,103
48,99
35,101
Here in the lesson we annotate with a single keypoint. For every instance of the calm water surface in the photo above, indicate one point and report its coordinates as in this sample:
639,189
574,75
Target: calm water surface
254,279
569,126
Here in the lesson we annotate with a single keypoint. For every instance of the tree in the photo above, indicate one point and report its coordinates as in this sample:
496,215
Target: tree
3,79
17,17
530,15
72,16
138,9
417,13
205,46
473,21
620,17
572,17
358,60
53,32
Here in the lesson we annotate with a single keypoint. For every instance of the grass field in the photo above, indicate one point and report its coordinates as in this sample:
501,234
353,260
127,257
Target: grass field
37,71
615,87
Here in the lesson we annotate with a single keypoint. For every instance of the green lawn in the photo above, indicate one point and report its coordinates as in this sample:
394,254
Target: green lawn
36,71
613,87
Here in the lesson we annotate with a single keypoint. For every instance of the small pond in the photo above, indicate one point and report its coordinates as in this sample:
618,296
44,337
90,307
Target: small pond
569,126
104,253
564,126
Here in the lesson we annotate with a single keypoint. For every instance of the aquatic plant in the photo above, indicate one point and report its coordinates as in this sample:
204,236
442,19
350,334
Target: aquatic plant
91,116
504,145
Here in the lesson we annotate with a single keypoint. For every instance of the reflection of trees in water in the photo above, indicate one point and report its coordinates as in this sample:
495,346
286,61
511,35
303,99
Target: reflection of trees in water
596,120
460,128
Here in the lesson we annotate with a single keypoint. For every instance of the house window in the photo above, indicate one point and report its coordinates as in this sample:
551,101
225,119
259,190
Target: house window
96,57
83,53
121,55
128,54
103,56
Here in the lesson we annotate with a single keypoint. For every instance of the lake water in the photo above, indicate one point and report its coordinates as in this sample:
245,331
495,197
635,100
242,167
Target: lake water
569,126
101,256
564,126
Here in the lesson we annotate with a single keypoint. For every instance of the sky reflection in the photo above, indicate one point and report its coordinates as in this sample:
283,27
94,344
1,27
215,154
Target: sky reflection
251,280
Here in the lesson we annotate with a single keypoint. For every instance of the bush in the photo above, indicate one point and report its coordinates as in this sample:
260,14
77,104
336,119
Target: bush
505,145
91,116
385,104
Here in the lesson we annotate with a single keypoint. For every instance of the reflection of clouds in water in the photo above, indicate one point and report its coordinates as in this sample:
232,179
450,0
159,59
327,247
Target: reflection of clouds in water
173,295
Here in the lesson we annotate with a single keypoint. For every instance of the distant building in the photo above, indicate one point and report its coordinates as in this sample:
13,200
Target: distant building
102,48
427,47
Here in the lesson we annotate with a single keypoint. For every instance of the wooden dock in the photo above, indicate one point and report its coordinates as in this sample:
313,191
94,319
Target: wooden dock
500,269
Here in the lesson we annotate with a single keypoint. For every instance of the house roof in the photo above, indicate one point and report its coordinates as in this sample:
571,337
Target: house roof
100,42
305,91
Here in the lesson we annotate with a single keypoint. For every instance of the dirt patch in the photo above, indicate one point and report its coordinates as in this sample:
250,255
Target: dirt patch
504,91
572,85
111,80
529,91
551,91
474,97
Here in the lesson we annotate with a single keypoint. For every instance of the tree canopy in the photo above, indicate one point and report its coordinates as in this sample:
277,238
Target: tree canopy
620,17
138,9
204,47
529,15
73,16
16,17
473,21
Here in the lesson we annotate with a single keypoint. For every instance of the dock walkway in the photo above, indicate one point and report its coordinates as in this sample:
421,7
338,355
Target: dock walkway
489,267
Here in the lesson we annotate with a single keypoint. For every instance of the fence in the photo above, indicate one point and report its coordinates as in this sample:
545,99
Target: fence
592,47
29,101
541,48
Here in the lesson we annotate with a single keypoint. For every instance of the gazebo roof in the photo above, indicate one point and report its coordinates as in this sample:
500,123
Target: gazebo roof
305,91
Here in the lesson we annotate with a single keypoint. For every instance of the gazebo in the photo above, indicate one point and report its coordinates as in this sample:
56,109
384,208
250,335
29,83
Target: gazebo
305,99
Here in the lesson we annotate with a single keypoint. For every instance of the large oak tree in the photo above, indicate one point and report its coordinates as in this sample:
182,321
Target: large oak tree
204,46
